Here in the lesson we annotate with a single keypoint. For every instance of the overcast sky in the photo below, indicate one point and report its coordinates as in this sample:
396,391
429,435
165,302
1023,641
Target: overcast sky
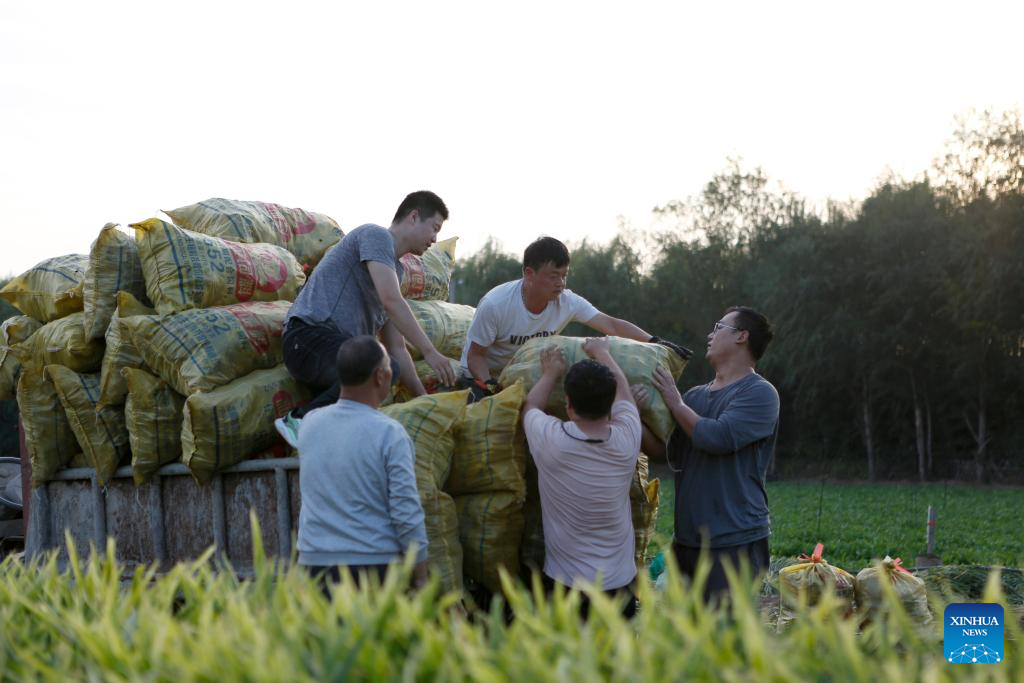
526,117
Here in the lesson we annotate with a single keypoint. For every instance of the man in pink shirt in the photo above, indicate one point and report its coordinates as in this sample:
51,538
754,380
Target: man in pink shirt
585,466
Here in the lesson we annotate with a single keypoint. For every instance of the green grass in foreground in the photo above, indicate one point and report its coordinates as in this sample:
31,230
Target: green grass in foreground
195,624
861,522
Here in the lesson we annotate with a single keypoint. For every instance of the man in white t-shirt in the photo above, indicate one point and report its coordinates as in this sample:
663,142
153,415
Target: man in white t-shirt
585,467
537,305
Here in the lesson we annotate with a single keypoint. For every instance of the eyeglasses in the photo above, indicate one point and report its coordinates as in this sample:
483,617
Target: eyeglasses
720,325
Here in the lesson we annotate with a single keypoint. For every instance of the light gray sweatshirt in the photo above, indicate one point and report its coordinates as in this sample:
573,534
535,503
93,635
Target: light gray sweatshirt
360,505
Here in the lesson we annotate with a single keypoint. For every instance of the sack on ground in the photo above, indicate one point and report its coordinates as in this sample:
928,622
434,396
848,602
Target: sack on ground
186,270
644,497
490,530
637,360
114,266
48,437
49,290
120,352
305,234
445,324
61,342
811,578
153,414
200,350
909,591
233,422
101,433
490,447
13,331
430,421
428,277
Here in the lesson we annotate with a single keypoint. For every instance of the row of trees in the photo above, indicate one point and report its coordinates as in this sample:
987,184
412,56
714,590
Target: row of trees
899,320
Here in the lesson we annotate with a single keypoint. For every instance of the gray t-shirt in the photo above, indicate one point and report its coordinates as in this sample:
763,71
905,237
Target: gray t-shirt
340,291
720,492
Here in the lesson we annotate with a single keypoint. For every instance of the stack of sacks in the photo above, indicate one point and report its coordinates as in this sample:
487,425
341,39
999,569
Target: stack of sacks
50,333
215,340
114,346
431,422
638,361
488,485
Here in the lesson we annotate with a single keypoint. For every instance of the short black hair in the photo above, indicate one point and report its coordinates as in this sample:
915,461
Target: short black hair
425,202
590,387
545,250
759,330
357,358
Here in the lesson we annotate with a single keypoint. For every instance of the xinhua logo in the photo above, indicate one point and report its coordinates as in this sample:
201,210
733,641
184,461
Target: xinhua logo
973,633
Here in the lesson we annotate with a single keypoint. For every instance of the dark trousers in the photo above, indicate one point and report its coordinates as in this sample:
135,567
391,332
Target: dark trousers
331,575
755,553
311,356
623,593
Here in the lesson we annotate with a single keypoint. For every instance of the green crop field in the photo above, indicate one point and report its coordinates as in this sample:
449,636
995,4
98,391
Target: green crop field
860,522
196,624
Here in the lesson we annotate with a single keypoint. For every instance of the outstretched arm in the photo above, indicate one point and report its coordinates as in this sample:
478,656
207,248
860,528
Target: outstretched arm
385,281
552,364
394,342
617,327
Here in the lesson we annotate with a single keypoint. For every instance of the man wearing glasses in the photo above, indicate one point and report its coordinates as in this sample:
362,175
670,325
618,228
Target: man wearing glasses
720,451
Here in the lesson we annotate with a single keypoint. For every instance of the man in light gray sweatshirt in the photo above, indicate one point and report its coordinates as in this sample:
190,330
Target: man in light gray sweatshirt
720,451
360,506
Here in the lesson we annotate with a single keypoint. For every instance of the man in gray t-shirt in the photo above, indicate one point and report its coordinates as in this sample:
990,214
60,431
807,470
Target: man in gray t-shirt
353,291
720,451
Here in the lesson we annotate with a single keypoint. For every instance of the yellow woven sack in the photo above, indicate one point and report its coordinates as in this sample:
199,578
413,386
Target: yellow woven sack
200,350
50,289
490,529
305,234
61,342
644,497
234,422
909,590
427,277
114,266
445,325
101,433
186,270
429,421
153,414
48,437
120,352
637,360
13,331
490,450
812,577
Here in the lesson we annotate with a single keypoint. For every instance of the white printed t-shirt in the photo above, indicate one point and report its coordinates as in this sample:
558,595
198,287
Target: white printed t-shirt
584,496
502,322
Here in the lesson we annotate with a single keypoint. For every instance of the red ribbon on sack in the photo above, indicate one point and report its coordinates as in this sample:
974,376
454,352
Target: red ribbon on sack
896,564
816,555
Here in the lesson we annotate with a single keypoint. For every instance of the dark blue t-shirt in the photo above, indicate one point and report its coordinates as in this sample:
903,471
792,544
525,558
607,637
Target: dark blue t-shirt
720,492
